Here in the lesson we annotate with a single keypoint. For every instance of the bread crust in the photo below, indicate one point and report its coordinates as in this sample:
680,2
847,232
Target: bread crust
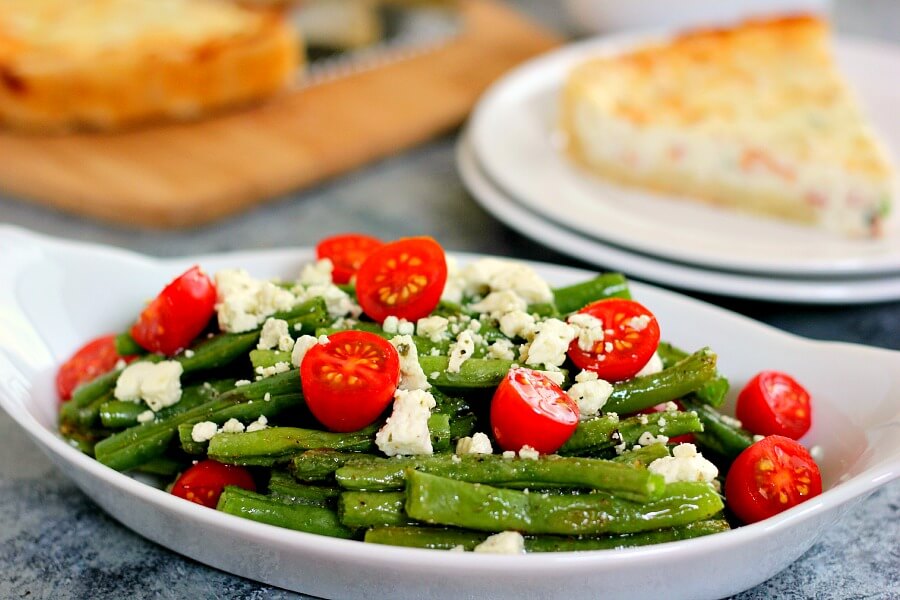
75,83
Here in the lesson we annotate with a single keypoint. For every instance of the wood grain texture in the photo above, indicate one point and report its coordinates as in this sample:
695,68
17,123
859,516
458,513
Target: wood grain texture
181,175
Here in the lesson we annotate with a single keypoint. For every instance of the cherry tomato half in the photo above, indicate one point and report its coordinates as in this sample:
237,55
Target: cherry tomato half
404,278
346,252
203,483
528,409
177,315
773,403
350,380
631,336
687,438
773,475
95,358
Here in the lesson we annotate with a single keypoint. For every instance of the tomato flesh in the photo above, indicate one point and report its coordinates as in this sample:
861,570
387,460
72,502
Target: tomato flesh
203,483
404,279
773,403
528,409
631,336
177,315
771,476
349,381
346,252
95,358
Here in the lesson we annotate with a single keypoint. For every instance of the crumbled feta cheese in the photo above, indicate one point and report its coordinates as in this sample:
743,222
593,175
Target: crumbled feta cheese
279,367
267,397
685,464
529,453
643,419
648,438
187,353
661,422
317,273
243,302
232,426
146,416
432,328
554,376
301,347
639,323
275,334
258,425
589,330
508,542
590,396
517,324
758,438
242,382
204,431
390,323
731,421
585,376
502,349
337,303
157,384
671,406
550,344
479,443
412,377
461,351
509,454
653,366
497,304
455,459
497,275
121,364
406,430
456,283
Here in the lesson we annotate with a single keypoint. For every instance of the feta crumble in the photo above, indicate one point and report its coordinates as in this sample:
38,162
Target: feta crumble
589,330
204,431
232,426
243,302
685,464
550,343
412,377
497,275
653,366
648,438
502,349
432,328
590,396
508,542
258,425
461,351
275,335
279,367
529,453
301,347
157,384
317,273
517,324
509,454
406,431
554,376
146,416
497,304
479,443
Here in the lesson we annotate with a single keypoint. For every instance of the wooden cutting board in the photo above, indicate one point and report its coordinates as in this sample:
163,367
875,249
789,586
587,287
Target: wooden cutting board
188,174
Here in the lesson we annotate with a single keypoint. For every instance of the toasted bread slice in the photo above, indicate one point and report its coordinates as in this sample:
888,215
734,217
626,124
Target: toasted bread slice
756,118
112,63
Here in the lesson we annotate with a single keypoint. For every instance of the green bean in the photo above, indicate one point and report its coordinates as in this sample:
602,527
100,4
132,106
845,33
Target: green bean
372,509
643,456
474,373
623,480
439,427
604,433
283,487
127,346
118,414
575,297
163,466
718,435
439,538
277,445
256,507
713,391
685,376
268,358
86,416
442,501
320,465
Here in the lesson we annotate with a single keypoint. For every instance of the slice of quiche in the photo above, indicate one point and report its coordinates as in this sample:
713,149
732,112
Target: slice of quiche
111,63
755,117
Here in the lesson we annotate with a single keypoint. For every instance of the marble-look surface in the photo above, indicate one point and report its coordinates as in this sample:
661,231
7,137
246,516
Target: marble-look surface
55,543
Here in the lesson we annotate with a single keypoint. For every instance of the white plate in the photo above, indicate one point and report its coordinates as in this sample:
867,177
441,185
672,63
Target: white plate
834,290
512,133
55,294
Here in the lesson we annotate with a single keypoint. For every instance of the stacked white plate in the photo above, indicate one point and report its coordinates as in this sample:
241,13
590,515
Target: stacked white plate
512,163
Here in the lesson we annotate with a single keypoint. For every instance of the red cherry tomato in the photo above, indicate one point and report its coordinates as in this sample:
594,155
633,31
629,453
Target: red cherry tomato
687,438
772,475
773,403
177,315
350,380
95,358
631,337
203,483
528,409
346,252
403,278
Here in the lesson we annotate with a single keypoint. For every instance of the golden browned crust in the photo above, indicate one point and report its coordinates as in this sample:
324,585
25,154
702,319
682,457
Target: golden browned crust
208,55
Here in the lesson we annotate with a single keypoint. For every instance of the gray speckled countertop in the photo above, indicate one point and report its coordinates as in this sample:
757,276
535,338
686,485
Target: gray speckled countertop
55,543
